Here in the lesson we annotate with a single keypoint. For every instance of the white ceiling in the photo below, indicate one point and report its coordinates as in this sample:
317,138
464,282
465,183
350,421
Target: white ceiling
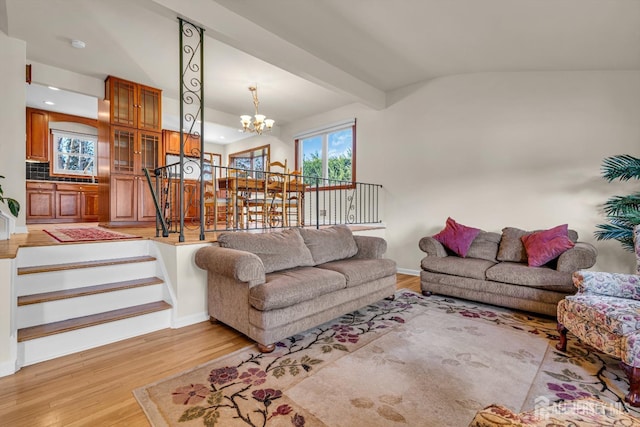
310,56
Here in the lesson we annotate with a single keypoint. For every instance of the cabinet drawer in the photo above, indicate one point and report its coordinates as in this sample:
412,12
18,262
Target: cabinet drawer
44,186
76,187
68,187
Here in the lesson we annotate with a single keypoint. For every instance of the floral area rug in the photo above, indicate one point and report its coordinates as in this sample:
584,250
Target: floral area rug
414,361
86,234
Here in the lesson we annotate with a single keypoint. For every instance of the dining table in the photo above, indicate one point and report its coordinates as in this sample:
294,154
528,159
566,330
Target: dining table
239,188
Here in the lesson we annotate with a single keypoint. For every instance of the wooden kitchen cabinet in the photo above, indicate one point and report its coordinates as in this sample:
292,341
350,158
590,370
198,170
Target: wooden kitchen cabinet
133,150
129,140
49,202
89,203
191,200
134,105
41,202
37,135
171,143
68,202
131,199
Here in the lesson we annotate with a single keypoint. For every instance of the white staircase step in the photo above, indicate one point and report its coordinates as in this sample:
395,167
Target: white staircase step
59,254
62,309
48,347
87,290
28,284
74,297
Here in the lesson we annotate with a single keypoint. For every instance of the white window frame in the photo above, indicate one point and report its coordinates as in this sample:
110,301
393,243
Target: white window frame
324,132
55,170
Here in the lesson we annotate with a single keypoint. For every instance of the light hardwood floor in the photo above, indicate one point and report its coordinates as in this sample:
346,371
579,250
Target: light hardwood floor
94,387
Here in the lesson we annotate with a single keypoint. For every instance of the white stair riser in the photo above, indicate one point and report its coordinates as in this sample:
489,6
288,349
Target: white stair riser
60,254
29,284
41,349
55,311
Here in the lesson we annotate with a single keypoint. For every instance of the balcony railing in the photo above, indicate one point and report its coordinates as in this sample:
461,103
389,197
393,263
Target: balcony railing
236,199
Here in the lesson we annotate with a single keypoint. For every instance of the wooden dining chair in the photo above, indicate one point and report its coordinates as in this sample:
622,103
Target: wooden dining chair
215,205
275,194
237,200
295,199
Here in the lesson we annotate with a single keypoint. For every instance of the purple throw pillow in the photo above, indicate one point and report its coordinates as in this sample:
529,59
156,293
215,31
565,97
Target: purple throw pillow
457,237
546,245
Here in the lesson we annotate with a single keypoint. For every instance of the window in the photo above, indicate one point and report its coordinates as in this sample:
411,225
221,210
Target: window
253,159
328,153
74,153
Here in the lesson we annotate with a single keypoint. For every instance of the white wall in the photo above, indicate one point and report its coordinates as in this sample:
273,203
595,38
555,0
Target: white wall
188,282
497,149
12,123
12,155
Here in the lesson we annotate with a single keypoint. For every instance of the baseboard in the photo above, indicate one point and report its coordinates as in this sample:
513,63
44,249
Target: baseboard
190,320
8,368
408,271
20,229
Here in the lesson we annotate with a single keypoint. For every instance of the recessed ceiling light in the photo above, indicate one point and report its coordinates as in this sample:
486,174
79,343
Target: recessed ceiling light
53,88
49,102
221,136
78,44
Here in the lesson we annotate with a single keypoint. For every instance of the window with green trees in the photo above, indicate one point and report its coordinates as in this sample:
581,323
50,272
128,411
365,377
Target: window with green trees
328,154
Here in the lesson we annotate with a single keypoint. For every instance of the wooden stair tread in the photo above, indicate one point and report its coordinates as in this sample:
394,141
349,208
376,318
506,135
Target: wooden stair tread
87,290
84,264
41,331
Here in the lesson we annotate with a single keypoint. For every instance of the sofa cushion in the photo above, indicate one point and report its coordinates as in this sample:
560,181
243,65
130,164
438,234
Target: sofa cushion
473,268
485,246
619,316
457,237
511,247
546,245
329,244
535,277
278,251
359,271
289,287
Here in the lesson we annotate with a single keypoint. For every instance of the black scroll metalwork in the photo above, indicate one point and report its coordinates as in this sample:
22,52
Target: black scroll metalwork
191,117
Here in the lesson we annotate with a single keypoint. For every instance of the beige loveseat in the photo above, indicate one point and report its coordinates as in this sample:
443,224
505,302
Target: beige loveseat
495,271
270,286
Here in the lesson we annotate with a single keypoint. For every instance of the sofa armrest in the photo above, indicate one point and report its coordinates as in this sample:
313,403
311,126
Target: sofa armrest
582,255
609,284
432,247
370,246
238,265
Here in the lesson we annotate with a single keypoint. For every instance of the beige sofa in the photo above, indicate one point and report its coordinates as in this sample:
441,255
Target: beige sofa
495,271
270,286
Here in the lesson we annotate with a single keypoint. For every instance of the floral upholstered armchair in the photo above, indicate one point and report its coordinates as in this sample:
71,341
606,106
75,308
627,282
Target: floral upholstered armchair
605,314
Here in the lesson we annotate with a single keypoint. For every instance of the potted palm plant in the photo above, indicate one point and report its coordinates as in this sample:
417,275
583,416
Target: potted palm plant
13,204
623,212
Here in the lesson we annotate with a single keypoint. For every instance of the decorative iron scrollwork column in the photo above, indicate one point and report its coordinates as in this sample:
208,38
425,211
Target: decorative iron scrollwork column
191,109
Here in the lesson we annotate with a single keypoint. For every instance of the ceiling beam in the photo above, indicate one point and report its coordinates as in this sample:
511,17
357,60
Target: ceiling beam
245,35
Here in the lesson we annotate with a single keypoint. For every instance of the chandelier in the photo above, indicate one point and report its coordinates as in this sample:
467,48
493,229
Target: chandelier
259,123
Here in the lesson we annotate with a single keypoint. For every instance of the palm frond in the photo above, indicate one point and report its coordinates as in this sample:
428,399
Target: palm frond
622,205
624,235
623,167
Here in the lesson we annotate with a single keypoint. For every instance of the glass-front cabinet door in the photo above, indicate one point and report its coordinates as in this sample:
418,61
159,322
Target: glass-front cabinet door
123,143
149,151
149,109
123,103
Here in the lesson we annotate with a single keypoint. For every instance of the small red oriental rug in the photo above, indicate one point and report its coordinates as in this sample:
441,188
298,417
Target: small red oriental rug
86,234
